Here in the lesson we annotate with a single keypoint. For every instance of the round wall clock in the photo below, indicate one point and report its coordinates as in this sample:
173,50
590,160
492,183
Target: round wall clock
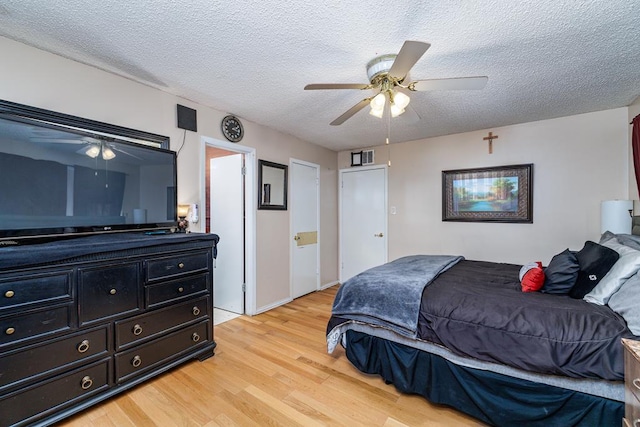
232,128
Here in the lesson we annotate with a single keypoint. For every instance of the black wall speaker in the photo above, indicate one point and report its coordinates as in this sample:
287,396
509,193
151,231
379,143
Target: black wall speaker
187,118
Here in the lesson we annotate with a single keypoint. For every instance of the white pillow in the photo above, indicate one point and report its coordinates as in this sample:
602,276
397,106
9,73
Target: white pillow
626,301
627,265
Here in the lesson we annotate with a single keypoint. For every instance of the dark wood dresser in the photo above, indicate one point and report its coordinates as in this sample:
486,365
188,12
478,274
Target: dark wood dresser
85,318
631,383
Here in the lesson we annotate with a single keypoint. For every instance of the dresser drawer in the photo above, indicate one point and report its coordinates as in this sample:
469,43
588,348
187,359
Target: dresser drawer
36,361
34,324
146,326
176,265
28,404
23,291
176,289
154,353
108,291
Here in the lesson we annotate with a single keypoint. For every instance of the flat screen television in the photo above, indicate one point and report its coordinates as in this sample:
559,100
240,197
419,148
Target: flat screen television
63,176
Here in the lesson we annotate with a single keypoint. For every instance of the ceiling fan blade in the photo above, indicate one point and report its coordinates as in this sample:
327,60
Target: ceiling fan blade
456,83
350,112
409,54
318,86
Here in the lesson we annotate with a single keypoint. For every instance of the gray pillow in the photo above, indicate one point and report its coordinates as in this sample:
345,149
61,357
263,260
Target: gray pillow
629,240
626,301
627,265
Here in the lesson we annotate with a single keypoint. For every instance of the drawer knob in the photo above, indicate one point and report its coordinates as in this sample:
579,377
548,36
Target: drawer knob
136,361
86,383
113,291
636,383
9,294
137,329
10,331
196,311
195,337
181,289
83,346
181,265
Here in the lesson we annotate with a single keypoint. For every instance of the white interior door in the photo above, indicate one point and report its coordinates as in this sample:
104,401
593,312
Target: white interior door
363,220
227,221
304,202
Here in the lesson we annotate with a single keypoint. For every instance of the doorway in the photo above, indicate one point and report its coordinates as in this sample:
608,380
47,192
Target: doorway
234,273
363,219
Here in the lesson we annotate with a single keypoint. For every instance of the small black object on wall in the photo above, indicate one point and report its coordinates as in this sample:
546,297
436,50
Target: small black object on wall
187,118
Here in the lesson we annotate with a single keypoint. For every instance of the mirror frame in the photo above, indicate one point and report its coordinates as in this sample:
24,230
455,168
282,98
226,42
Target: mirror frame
261,203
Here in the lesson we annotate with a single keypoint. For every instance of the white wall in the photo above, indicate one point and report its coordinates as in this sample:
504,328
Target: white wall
578,162
36,78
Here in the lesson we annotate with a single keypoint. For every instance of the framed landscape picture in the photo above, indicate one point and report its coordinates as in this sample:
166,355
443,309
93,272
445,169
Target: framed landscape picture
495,194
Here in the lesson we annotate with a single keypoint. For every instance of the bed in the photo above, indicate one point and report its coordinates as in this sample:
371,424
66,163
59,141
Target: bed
464,334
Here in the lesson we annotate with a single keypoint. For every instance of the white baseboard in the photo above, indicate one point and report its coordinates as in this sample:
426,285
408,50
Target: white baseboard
273,305
328,285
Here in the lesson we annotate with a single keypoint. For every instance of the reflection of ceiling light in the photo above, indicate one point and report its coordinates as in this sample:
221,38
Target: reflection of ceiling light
107,153
93,151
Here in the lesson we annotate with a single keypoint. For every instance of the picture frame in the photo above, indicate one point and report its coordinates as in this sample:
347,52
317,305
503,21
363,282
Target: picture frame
272,186
491,194
356,158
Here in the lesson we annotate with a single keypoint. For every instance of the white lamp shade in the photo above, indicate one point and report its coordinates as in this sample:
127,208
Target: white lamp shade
396,111
107,153
93,151
615,216
401,100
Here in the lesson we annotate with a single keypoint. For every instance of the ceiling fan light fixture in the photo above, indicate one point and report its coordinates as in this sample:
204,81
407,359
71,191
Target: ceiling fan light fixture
377,112
396,111
107,153
93,151
401,100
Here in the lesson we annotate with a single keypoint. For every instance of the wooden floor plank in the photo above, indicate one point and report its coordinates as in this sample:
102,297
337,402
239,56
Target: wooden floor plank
271,369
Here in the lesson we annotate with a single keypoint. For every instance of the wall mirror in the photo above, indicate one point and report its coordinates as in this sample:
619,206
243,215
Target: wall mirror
272,185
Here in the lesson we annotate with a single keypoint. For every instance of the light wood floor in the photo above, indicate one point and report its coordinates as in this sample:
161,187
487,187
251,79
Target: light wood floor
270,370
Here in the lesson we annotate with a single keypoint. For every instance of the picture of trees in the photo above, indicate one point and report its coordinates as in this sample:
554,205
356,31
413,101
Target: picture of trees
485,194
492,194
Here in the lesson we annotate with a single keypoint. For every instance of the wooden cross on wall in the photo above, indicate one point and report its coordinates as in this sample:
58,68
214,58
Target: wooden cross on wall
490,138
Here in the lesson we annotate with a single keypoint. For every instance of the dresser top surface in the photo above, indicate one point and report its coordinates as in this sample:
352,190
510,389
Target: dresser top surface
72,249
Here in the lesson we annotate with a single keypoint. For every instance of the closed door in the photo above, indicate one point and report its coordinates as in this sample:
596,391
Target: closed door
305,262
363,220
227,221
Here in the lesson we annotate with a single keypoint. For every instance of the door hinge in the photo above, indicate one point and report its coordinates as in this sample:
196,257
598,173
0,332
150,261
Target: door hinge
244,287
244,170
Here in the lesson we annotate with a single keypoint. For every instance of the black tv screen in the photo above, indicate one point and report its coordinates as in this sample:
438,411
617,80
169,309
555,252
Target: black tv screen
61,180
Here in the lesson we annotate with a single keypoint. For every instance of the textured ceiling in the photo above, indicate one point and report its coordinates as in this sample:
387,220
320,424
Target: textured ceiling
544,58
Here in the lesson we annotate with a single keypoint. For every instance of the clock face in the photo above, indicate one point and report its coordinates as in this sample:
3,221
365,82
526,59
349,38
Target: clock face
232,128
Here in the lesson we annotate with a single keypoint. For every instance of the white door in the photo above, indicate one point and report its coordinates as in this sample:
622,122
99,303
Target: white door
227,212
304,202
363,220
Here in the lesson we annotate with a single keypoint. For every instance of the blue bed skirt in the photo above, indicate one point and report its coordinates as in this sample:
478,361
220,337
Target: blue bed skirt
490,397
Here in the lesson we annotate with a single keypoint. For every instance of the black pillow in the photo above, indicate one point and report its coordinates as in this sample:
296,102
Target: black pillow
595,261
561,273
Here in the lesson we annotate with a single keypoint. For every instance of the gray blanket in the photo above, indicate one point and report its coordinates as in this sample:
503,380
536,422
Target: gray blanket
389,295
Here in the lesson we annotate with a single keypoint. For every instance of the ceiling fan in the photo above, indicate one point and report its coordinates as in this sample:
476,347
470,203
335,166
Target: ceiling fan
387,74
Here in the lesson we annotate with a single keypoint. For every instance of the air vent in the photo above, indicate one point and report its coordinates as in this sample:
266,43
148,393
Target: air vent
367,157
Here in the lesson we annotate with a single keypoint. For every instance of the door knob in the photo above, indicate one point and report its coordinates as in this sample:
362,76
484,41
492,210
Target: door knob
379,235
